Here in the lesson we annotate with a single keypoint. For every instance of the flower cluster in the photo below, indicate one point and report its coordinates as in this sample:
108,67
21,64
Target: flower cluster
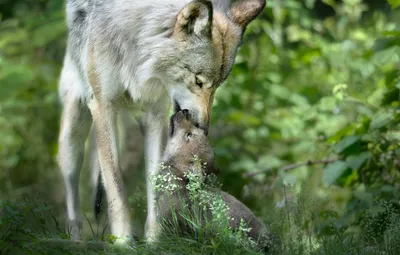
200,190
242,234
165,181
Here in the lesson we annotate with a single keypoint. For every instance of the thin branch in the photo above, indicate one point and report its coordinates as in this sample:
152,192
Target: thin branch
293,166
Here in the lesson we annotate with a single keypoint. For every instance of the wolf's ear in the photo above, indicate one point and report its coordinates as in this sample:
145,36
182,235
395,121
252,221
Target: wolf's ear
195,18
244,11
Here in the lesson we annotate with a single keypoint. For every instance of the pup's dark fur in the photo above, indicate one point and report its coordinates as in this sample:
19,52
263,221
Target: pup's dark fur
185,141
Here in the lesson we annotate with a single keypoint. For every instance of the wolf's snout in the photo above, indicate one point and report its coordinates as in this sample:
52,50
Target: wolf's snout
204,128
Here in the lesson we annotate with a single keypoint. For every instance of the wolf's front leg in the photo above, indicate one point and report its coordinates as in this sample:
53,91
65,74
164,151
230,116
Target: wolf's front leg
156,126
104,116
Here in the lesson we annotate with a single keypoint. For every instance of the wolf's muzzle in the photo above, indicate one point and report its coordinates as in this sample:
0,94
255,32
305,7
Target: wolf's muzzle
204,128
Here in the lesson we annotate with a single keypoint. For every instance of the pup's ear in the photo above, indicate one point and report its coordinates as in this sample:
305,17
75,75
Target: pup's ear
195,18
244,11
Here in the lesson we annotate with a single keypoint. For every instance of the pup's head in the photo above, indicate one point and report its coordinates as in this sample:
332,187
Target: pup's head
202,50
185,141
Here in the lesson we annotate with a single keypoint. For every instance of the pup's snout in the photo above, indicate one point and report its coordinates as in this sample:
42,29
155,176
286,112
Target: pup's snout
186,113
177,119
182,115
184,119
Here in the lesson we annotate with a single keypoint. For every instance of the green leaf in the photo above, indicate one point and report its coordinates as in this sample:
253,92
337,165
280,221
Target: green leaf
381,120
397,84
345,131
327,104
47,33
333,171
356,161
331,3
268,162
386,56
239,117
364,196
393,136
12,80
394,3
387,188
246,163
346,143
288,179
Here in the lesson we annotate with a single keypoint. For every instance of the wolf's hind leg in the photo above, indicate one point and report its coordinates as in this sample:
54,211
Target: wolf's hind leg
75,125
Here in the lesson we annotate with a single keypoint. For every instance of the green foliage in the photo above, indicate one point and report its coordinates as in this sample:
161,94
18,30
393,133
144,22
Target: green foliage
394,3
314,89
31,46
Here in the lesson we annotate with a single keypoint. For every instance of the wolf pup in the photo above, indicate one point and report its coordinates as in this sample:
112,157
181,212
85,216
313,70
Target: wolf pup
185,141
153,53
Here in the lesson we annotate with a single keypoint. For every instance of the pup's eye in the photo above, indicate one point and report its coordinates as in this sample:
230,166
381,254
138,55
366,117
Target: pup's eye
188,136
199,82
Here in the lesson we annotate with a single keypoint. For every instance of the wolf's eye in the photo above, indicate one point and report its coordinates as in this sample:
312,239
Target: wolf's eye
199,82
188,136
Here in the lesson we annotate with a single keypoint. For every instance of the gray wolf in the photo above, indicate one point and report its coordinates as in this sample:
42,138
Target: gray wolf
185,141
145,54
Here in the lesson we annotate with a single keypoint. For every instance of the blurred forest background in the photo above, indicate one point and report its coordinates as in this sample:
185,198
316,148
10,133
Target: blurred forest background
316,84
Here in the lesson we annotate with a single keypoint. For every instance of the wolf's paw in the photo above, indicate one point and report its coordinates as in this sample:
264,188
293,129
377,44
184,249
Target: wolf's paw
123,243
74,229
152,231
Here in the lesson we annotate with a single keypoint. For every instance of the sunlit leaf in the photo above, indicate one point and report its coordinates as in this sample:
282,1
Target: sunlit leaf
48,32
393,136
364,196
243,118
381,120
287,178
333,171
386,56
12,80
268,162
346,143
394,3
356,161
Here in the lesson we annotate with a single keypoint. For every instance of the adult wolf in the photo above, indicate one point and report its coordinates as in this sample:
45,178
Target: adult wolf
150,53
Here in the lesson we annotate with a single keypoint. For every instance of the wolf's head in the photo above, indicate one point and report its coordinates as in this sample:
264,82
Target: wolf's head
186,140
205,41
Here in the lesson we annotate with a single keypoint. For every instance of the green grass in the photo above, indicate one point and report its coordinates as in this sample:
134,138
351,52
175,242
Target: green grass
20,234
31,228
